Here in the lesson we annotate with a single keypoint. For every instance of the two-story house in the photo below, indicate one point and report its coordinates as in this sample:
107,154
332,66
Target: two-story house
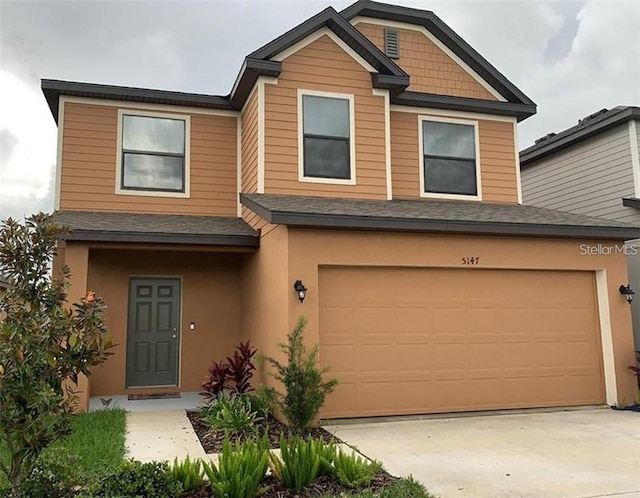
363,172
592,168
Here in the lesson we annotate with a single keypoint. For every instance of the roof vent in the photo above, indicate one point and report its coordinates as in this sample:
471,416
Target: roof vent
391,43
548,136
590,117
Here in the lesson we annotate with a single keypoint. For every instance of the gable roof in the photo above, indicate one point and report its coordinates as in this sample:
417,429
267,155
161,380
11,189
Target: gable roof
53,89
389,75
386,75
437,216
435,25
587,127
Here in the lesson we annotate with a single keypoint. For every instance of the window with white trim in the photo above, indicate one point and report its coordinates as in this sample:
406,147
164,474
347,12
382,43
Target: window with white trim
327,137
449,162
153,154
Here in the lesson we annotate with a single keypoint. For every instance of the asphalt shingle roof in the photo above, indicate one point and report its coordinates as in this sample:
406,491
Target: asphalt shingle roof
434,215
160,228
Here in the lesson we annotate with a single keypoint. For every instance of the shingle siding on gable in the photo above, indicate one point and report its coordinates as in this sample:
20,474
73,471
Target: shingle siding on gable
431,70
589,178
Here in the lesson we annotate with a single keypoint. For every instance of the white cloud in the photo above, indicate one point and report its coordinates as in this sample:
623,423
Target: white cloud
26,169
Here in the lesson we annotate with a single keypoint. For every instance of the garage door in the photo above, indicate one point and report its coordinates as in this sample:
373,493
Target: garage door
411,341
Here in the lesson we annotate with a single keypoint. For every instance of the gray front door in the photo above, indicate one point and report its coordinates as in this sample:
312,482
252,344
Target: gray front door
153,333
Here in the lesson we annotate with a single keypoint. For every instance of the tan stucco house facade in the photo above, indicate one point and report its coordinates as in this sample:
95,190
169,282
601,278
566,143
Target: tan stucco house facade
371,155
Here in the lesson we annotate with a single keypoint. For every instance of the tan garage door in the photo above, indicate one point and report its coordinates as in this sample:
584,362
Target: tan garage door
410,341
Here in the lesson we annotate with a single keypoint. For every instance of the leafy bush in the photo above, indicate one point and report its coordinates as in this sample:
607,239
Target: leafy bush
298,464
231,413
352,470
151,480
327,452
234,375
262,401
49,478
636,368
188,473
240,470
305,388
42,344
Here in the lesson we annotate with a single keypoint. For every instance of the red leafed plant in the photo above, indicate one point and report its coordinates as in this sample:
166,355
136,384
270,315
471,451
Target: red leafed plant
636,368
233,376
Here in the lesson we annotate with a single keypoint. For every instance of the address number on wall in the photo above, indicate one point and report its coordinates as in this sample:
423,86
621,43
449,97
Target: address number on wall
471,260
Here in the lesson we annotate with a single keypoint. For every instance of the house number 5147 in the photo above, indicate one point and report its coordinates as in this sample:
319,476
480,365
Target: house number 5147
470,260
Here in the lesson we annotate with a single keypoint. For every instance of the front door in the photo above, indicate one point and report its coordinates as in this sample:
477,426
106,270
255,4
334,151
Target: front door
153,332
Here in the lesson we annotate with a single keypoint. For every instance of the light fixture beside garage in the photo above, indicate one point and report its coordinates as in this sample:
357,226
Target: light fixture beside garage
627,292
300,289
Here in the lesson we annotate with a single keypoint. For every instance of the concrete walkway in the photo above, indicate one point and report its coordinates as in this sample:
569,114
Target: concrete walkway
571,454
162,435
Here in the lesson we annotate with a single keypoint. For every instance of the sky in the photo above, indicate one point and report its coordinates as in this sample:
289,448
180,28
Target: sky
572,57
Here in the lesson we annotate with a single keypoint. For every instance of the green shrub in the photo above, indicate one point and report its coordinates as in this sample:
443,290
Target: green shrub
133,479
263,401
405,488
42,343
49,478
240,470
302,378
352,470
188,473
327,452
298,464
232,413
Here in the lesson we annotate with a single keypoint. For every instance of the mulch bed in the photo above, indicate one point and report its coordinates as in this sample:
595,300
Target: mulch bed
322,485
212,441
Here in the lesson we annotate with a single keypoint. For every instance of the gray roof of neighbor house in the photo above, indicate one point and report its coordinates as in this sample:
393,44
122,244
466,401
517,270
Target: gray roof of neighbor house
586,127
433,216
157,228
387,75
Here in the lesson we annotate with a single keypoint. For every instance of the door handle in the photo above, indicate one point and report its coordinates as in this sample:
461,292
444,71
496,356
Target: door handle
175,336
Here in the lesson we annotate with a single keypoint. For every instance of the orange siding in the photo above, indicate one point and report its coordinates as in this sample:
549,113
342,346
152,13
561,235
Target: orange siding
323,66
497,159
89,165
431,70
249,131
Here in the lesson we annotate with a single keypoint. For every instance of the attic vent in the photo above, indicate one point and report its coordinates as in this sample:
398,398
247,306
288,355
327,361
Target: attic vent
592,116
391,43
548,136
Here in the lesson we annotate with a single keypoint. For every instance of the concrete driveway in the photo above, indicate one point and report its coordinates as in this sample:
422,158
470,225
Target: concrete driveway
569,454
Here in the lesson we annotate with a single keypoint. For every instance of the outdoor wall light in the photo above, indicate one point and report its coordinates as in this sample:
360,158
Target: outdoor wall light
300,289
627,292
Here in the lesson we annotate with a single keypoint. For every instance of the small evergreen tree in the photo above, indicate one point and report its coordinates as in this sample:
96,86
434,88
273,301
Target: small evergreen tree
303,380
42,343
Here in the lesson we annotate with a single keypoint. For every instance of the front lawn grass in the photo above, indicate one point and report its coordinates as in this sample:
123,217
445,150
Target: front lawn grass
95,447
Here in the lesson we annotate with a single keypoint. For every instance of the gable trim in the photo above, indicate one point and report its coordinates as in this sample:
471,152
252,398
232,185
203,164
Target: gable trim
58,187
451,113
316,36
387,139
635,156
401,25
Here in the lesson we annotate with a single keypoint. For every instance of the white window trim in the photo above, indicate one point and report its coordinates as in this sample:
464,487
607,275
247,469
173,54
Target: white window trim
478,196
187,153
352,141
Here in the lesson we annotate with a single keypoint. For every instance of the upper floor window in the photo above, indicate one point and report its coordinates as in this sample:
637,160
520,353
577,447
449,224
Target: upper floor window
327,151
450,166
153,154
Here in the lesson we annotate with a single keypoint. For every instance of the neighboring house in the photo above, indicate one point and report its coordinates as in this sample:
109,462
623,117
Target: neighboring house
592,168
370,157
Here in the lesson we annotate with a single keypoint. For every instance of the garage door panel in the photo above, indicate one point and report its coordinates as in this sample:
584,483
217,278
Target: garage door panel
405,340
